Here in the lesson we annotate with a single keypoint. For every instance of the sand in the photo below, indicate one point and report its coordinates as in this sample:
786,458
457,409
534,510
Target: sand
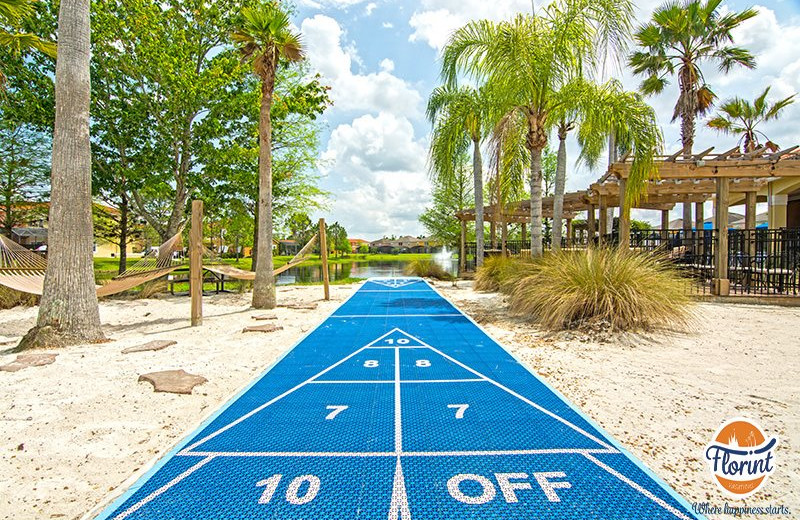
73,432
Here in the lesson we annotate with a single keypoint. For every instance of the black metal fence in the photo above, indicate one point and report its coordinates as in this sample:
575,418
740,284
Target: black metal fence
760,261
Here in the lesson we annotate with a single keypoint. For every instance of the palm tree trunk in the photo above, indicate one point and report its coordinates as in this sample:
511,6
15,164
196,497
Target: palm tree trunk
477,174
68,313
536,201
264,284
688,105
560,182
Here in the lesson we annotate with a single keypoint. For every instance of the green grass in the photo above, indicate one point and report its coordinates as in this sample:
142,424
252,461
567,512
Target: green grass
427,268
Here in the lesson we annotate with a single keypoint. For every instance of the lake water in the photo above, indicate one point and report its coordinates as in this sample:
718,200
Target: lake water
363,269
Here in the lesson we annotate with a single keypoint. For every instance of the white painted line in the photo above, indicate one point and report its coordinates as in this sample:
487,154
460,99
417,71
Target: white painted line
350,382
427,381
158,492
398,509
637,487
395,291
332,454
398,405
268,403
493,453
526,400
403,347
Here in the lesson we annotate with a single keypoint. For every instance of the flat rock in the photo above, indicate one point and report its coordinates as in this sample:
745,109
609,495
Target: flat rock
29,360
264,317
299,306
158,344
173,381
263,328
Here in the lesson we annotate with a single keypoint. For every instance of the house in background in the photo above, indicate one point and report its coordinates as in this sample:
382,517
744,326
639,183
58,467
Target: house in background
406,244
356,243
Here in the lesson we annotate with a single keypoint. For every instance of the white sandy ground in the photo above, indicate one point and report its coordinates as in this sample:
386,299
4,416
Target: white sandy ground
73,432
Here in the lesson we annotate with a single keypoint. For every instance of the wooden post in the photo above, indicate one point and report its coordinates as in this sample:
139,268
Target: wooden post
196,263
624,216
665,226
687,220
323,249
603,219
570,239
462,252
591,224
722,284
524,233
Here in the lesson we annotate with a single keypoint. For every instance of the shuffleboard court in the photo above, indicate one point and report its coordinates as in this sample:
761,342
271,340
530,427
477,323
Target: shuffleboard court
399,407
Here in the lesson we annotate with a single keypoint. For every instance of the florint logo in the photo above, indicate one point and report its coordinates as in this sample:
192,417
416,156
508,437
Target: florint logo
741,457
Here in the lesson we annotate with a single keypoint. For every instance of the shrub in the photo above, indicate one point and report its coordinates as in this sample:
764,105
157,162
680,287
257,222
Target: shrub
499,273
10,298
626,290
427,268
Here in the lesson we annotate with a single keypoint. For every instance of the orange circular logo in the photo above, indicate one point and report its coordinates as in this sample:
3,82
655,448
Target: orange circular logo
741,457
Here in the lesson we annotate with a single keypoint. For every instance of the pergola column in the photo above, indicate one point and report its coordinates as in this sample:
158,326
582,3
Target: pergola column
750,199
624,216
591,224
462,252
603,218
722,284
524,232
665,225
687,220
777,209
570,238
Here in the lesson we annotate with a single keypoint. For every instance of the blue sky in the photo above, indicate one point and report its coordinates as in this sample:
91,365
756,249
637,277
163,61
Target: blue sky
381,59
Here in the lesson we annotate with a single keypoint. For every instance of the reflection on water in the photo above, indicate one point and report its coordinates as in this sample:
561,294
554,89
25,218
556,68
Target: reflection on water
363,269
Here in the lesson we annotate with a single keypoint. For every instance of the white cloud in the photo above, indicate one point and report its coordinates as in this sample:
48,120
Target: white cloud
372,92
388,25
369,8
387,65
335,4
381,167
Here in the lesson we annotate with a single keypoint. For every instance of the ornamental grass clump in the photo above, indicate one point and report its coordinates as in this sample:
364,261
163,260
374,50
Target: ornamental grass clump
623,290
427,268
499,273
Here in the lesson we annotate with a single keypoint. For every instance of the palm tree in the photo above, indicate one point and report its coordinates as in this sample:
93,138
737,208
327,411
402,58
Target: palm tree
459,116
681,36
68,313
527,60
738,116
11,13
266,39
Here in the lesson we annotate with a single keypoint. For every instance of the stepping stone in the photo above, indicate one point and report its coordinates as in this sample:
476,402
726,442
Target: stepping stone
299,306
265,317
29,360
158,344
263,328
173,381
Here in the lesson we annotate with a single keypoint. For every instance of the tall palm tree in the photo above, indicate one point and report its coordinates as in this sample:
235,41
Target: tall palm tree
12,12
68,313
266,39
738,116
680,36
459,117
527,60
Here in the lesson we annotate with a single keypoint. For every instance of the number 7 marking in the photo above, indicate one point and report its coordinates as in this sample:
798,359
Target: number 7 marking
460,409
336,411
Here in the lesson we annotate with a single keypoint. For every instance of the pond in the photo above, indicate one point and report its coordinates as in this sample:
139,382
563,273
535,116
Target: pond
355,269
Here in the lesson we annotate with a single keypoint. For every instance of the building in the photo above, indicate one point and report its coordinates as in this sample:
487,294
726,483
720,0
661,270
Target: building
406,244
356,243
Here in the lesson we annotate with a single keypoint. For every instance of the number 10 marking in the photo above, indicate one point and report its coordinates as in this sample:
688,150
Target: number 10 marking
270,485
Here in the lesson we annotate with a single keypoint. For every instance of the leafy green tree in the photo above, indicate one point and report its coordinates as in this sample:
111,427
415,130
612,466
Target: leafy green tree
460,118
12,13
266,39
738,116
337,239
449,197
24,173
526,61
681,35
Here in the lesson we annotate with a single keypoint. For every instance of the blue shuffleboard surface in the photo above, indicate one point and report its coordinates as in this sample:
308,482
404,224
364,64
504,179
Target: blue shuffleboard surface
399,407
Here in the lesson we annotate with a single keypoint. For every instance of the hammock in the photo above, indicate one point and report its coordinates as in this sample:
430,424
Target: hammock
241,274
24,270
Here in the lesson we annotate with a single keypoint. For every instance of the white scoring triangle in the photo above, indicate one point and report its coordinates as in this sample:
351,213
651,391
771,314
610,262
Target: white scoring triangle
397,338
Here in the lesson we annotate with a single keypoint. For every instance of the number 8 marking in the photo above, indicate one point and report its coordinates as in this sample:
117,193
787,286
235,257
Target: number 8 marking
424,363
371,363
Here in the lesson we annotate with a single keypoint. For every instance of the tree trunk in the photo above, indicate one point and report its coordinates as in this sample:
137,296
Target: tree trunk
536,202
254,253
477,174
68,313
688,110
560,182
264,285
123,233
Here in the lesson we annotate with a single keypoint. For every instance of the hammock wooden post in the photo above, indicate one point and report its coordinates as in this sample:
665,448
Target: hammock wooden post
323,249
196,262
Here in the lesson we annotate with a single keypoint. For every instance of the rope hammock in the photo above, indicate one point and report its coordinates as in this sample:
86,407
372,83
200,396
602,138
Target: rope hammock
24,270
240,274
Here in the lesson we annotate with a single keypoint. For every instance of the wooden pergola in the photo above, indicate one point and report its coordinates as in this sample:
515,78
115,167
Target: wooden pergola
727,178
